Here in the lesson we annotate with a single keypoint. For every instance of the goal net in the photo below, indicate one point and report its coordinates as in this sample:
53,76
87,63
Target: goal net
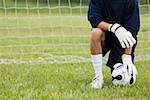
48,31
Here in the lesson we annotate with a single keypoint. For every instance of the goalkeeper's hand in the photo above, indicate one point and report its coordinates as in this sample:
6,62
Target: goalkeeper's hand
127,60
125,37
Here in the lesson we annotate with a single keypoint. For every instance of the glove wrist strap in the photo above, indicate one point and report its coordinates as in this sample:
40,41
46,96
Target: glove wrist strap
126,56
109,27
113,28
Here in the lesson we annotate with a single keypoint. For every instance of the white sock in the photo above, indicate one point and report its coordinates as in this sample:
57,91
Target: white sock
97,64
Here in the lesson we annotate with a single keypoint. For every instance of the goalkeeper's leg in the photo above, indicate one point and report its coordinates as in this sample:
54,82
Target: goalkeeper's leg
96,41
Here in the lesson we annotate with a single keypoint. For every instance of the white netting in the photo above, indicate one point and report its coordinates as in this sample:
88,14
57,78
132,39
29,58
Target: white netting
33,29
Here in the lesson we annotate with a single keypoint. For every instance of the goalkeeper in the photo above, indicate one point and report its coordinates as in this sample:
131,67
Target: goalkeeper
115,26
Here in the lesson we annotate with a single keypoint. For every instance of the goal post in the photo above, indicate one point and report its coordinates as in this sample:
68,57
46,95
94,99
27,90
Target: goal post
36,31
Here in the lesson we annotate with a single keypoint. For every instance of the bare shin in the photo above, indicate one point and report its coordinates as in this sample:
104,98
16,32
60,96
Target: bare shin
96,41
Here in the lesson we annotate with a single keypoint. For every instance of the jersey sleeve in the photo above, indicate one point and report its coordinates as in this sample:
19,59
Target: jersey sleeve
94,13
132,17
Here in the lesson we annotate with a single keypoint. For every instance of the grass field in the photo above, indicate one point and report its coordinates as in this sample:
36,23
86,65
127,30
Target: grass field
32,45
67,81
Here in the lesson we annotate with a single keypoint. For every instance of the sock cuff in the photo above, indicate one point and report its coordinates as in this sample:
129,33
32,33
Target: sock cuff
97,58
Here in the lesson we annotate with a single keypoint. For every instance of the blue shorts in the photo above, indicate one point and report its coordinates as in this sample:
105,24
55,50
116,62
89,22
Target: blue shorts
112,44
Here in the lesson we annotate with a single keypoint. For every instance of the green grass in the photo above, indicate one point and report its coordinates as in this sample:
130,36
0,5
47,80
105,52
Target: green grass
30,36
67,81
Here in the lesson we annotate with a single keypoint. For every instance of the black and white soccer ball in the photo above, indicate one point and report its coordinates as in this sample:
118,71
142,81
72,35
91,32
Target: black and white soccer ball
121,76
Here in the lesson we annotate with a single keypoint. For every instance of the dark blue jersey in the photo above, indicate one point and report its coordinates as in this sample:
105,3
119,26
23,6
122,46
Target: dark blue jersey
124,12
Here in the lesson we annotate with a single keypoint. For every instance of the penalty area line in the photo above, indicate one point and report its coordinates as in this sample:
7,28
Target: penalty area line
67,59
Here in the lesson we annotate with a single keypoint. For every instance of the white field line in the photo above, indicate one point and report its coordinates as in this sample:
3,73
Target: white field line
68,59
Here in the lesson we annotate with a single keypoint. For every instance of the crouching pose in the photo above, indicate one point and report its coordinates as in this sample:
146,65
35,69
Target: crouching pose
115,24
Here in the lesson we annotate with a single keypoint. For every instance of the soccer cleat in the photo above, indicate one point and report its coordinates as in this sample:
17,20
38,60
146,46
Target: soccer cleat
97,83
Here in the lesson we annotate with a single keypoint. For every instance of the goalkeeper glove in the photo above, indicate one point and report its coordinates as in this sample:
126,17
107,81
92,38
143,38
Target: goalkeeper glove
126,59
125,37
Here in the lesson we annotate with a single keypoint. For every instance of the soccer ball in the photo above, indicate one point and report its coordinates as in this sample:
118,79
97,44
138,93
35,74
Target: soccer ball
121,76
